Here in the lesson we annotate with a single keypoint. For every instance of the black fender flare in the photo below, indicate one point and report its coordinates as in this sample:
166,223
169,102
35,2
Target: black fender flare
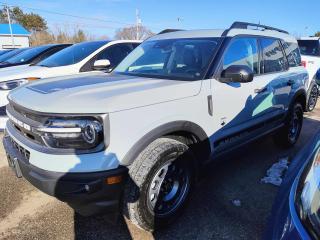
298,94
166,129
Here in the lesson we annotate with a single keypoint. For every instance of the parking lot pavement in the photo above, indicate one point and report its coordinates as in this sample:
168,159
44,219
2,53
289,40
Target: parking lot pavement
26,213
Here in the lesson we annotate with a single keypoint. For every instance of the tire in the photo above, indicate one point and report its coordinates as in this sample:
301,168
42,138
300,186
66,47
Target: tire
288,135
313,97
159,185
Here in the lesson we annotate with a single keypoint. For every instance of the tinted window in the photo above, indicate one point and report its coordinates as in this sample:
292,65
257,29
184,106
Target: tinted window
293,53
273,58
242,51
10,54
185,59
48,54
115,54
4,51
72,55
309,47
28,54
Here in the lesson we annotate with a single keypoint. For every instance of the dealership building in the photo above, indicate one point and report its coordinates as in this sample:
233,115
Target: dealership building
19,33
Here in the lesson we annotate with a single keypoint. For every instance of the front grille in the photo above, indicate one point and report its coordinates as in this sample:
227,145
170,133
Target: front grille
28,114
21,149
21,120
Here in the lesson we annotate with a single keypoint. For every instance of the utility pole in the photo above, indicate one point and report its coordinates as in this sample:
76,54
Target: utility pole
138,22
10,27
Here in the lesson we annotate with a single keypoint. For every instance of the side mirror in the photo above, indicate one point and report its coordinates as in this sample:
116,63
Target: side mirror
237,73
317,78
102,64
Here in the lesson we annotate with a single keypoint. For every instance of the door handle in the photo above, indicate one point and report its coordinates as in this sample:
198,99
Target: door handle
260,90
290,82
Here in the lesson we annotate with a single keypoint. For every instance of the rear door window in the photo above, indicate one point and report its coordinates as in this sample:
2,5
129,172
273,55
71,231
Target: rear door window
273,58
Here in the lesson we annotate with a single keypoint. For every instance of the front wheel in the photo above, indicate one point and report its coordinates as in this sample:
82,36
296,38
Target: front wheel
160,182
288,135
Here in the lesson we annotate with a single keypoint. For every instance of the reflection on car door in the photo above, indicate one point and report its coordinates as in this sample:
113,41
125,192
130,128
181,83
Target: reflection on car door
241,108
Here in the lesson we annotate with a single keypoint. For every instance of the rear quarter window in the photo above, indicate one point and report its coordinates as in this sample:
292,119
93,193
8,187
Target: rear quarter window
293,53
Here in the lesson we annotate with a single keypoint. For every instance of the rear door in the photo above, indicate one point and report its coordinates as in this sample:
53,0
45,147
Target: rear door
273,95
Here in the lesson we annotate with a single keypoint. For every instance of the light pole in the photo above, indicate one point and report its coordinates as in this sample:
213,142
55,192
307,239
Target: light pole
138,22
10,27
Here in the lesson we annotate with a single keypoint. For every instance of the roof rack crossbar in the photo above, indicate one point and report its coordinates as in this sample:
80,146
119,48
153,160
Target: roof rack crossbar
245,25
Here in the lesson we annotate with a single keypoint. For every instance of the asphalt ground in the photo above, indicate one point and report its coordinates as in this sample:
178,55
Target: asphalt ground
26,213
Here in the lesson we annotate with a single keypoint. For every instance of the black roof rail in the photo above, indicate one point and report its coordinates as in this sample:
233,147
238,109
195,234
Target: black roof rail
169,31
245,25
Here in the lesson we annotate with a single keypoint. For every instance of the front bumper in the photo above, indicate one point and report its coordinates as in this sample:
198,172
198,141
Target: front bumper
86,193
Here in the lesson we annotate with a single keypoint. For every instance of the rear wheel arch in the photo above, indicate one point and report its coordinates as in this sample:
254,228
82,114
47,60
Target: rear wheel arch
301,97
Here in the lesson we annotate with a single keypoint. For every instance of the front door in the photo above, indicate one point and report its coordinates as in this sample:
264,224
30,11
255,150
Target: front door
238,107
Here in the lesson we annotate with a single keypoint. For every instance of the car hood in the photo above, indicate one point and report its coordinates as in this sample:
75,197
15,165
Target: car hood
22,71
100,93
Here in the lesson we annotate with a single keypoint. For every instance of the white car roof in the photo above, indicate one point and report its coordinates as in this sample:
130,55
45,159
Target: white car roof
309,38
229,33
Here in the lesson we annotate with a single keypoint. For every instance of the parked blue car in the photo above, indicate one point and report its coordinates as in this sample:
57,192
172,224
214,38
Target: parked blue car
296,210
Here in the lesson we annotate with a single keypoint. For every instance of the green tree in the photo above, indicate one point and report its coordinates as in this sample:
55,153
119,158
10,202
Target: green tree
31,21
317,34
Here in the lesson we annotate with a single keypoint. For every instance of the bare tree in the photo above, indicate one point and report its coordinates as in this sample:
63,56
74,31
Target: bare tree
131,33
67,34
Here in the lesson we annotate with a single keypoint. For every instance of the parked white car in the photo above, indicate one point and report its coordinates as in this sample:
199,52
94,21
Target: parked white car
310,54
81,57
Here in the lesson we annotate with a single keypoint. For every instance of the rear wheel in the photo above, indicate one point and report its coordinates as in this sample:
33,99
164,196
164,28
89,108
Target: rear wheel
160,182
288,135
313,97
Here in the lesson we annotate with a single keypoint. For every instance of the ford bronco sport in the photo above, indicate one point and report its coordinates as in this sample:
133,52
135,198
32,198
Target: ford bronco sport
137,139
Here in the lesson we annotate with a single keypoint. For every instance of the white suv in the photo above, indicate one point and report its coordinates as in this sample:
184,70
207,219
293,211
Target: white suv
310,51
137,138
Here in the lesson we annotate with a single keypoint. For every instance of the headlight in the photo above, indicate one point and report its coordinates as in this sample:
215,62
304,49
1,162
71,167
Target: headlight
79,134
9,85
12,84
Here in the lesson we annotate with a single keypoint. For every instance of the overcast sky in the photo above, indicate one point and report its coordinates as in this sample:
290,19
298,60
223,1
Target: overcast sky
297,17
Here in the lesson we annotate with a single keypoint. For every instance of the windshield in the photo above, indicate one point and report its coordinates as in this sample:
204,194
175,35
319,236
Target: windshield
27,55
180,59
72,55
309,47
4,51
10,54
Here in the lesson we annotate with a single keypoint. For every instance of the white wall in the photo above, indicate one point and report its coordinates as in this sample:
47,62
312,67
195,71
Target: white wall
19,41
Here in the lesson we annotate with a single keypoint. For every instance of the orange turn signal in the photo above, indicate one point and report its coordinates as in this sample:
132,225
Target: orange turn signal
32,78
113,180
